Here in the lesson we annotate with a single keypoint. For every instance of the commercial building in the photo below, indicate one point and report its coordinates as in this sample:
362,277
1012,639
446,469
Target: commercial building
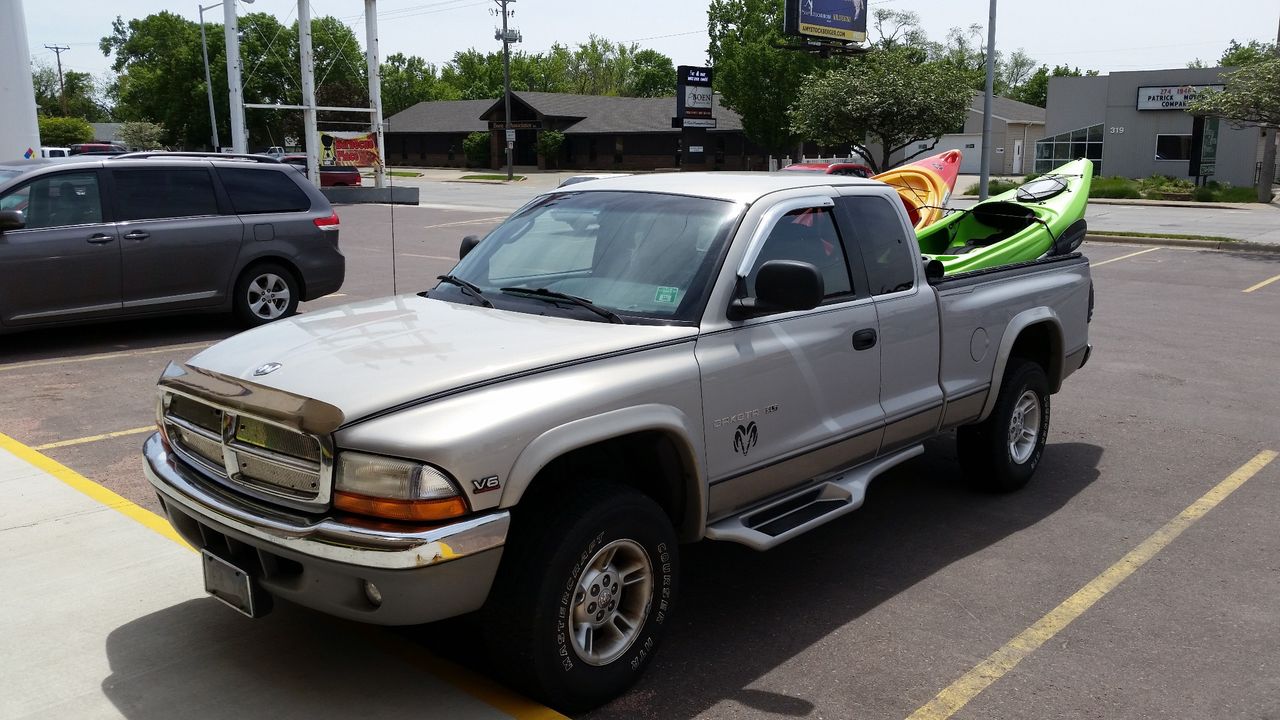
1135,124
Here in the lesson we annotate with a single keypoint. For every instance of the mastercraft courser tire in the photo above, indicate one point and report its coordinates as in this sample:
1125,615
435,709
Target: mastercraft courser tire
585,590
264,293
1001,453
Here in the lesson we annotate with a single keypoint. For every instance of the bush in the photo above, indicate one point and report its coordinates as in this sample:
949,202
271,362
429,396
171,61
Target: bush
61,132
1237,194
994,187
1204,194
549,143
141,135
476,147
1114,187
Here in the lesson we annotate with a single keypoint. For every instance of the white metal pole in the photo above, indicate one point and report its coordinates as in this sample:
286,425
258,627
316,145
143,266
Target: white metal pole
506,86
985,177
375,88
235,93
311,136
204,48
21,137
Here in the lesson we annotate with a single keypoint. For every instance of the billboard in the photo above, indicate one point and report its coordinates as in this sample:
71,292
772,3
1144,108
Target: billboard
349,148
839,20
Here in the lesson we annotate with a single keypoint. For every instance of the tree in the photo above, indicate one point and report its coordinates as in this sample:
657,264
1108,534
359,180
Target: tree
161,75
61,132
476,147
1035,90
141,134
1251,97
407,81
652,75
884,97
84,99
549,143
756,79
1014,72
1240,55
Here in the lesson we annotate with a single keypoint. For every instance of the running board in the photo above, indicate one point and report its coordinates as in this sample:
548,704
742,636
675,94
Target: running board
768,526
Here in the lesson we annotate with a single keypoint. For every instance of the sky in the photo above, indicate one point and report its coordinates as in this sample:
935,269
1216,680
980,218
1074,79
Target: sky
1104,35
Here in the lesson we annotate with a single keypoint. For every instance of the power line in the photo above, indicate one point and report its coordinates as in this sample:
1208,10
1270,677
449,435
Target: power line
62,88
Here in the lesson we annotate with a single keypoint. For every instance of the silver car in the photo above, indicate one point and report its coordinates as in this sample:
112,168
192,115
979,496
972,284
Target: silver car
148,233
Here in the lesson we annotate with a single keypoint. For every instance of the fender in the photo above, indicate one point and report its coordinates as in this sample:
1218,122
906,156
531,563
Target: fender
597,428
1012,332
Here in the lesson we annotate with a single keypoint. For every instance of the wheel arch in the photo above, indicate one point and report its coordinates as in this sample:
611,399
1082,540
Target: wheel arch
271,259
1036,335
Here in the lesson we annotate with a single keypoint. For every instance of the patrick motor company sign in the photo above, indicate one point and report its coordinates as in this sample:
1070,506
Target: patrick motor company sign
1173,97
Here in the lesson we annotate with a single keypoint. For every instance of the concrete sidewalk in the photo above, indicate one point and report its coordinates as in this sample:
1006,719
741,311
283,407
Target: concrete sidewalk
105,617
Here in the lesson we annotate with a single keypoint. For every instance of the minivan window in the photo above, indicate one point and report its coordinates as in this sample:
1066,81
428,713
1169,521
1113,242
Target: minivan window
882,237
262,191
57,200
155,193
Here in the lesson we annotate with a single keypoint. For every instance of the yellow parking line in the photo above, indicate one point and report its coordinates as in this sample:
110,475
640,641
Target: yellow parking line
1125,257
959,693
94,438
479,687
103,356
1263,284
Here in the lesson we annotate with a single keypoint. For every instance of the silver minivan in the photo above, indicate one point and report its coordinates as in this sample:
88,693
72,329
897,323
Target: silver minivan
149,233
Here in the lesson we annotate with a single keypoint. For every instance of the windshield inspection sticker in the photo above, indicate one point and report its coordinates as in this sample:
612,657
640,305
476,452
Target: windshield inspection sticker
666,295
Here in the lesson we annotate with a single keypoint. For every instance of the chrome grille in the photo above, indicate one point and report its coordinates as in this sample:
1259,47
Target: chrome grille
254,456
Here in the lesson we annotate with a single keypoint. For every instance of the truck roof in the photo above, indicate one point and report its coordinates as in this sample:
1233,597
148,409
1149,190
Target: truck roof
742,187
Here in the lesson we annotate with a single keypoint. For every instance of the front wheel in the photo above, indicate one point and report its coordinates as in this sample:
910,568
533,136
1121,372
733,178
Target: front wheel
584,593
1000,454
264,293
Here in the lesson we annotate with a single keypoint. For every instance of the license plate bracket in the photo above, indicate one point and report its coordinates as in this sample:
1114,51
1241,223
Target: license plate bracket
233,586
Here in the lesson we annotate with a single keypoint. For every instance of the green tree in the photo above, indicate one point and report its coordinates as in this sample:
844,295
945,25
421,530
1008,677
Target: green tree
549,144
84,99
1035,90
476,147
755,78
883,99
1240,54
652,75
64,131
407,81
160,74
141,134
1251,97
474,75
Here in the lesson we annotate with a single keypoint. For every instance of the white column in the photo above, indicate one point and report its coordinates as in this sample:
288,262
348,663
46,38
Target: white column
375,86
17,96
311,139
235,93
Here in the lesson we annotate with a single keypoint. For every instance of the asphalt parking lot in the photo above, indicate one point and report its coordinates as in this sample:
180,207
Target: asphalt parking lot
929,602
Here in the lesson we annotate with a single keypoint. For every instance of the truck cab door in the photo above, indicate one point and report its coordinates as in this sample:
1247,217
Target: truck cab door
790,396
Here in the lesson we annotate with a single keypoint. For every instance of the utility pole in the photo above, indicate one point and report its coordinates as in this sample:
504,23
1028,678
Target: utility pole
310,133
204,48
62,89
985,178
375,89
235,93
507,38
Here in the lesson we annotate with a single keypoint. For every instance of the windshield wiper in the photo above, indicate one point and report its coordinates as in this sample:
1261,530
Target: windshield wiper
553,296
467,289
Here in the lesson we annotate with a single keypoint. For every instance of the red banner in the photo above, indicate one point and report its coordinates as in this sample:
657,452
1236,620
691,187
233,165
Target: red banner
348,148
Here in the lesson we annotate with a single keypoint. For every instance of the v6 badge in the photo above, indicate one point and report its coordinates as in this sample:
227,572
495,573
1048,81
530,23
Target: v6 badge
484,485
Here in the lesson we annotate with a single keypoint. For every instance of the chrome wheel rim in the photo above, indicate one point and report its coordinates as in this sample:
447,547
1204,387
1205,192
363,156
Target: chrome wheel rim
1024,427
268,296
611,602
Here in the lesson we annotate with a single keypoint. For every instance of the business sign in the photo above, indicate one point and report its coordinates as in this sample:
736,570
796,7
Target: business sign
1205,132
691,75
698,102
840,20
1171,97
694,97
349,148
694,122
516,125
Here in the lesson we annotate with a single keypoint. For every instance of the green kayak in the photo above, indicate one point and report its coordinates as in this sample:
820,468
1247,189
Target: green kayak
1042,217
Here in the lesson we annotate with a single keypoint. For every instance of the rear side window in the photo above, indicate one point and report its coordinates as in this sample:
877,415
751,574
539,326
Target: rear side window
154,193
882,237
262,191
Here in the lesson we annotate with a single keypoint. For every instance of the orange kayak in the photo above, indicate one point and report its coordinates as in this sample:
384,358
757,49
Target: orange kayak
925,185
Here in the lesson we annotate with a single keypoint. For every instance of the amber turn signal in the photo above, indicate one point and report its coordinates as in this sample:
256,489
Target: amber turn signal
395,509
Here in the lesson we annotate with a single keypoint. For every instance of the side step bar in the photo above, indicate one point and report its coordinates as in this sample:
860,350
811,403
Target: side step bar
768,526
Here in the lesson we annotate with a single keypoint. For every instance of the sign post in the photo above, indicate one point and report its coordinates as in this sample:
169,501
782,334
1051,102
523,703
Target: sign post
695,112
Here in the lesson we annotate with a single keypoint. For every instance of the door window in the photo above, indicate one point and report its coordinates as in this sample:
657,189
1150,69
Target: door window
807,235
154,193
57,201
264,191
882,237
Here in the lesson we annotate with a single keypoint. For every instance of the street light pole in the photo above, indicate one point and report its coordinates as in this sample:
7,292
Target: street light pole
985,177
208,83
506,84
235,92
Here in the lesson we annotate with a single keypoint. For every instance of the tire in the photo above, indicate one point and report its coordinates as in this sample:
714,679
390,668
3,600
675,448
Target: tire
541,607
264,293
992,458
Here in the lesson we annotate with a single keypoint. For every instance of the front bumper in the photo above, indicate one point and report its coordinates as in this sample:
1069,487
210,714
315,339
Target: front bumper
324,564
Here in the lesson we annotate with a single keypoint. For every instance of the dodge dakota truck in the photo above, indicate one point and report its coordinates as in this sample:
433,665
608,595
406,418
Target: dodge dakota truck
623,366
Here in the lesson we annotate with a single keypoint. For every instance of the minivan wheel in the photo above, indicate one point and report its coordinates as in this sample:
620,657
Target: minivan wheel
265,293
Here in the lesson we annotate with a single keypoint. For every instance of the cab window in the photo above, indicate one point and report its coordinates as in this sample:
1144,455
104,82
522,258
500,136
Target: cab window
808,235
57,201
882,236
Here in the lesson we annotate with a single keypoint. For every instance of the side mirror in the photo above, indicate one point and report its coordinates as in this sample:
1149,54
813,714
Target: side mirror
12,220
1070,239
468,244
933,271
782,286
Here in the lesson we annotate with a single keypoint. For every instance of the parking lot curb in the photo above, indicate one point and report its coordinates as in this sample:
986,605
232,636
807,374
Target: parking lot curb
1232,246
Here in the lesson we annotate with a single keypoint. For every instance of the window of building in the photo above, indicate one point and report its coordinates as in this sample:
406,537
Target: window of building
1173,147
617,151
154,193
1073,145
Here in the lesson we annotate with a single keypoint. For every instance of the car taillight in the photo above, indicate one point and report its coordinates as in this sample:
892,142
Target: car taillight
328,222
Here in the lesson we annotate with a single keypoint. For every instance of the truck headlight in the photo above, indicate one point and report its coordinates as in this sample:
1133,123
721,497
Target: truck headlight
394,489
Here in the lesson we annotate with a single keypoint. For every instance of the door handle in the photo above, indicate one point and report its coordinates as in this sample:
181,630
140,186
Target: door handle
100,238
137,235
864,339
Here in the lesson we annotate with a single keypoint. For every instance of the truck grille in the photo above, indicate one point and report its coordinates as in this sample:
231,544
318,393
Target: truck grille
247,453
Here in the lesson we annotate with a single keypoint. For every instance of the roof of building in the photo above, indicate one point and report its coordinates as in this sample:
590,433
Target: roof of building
594,114
1008,109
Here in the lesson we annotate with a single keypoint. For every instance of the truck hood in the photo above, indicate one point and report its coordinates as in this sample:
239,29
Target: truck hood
368,356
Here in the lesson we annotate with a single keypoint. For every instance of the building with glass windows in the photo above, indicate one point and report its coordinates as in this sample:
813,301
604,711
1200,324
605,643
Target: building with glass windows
1135,124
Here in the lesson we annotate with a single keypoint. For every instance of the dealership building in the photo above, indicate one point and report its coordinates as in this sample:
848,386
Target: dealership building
1135,124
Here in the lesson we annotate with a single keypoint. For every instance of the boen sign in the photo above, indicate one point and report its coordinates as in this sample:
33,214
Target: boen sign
1171,98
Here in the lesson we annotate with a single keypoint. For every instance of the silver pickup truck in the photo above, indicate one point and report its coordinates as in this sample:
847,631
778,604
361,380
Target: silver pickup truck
621,367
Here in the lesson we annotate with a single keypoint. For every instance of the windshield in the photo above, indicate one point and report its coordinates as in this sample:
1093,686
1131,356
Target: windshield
640,255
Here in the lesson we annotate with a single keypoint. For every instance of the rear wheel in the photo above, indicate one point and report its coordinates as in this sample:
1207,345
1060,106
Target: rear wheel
1000,454
583,595
264,293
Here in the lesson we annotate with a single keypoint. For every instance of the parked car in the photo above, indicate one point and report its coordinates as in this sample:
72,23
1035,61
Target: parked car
330,175
53,152
831,168
87,239
275,151
97,148
716,356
